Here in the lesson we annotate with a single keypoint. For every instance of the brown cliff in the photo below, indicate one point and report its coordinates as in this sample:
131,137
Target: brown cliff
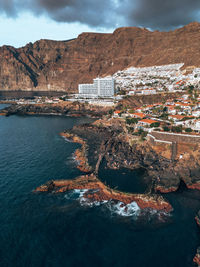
61,65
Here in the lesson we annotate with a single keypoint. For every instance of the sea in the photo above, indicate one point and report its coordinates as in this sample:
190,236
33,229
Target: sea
64,230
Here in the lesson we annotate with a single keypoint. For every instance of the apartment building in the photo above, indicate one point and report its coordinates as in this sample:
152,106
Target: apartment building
101,87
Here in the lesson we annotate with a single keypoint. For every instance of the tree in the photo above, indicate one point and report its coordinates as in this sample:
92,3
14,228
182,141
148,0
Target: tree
155,124
164,116
188,130
165,109
166,129
177,129
111,111
130,121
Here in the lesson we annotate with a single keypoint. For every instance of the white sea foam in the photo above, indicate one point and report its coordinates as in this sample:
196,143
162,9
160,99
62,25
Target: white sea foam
91,203
71,160
67,140
75,194
121,209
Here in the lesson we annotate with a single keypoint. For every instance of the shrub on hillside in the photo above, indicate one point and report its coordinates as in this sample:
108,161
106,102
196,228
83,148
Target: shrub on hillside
155,124
188,130
176,129
166,129
130,121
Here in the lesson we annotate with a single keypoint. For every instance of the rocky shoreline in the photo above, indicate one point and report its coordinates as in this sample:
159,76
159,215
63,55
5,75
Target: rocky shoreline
118,151
111,143
197,256
97,191
121,150
66,108
91,182
80,154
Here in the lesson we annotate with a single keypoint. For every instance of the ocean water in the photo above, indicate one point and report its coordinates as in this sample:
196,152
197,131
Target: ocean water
43,229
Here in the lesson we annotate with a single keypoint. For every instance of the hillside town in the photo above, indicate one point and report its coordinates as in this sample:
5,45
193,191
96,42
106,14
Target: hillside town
177,115
142,81
156,79
174,115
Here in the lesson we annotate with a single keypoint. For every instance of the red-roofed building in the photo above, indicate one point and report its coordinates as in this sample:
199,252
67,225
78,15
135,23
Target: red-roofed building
176,117
145,122
148,107
137,115
117,113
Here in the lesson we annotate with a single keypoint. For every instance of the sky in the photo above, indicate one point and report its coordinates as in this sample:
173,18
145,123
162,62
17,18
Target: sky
23,21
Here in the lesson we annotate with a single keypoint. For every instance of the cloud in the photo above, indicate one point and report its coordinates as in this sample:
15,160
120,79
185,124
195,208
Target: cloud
155,14
158,14
8,7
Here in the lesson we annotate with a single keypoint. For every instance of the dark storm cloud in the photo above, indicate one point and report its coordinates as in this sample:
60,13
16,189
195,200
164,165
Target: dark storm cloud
8,7
163,14
94,13
156,14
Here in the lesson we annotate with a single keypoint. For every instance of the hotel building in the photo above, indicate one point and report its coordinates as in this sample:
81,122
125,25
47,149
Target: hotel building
101,87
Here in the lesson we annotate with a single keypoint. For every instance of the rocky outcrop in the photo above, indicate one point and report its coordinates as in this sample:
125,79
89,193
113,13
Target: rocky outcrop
73,109
97,191
81,155
61,65
197,218
111,142
197,256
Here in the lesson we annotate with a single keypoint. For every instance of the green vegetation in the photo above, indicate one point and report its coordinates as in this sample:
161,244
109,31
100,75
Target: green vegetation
130,130
188,130
166,129
186,118
122,92
132,120
111,111
141,133
155,124
176,129
164,116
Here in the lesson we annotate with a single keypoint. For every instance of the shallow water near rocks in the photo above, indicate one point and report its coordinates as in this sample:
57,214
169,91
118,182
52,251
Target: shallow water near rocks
57,230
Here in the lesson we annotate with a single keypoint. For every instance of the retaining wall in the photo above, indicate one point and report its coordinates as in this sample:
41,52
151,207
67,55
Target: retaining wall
173,137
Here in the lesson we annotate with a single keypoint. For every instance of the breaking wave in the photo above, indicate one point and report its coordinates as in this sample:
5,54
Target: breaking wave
67,140
118,208
121,209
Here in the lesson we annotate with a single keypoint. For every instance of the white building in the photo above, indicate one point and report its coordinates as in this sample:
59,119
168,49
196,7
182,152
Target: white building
101,87
87,89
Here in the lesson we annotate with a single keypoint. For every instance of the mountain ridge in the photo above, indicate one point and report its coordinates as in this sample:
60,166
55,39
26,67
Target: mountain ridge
49,65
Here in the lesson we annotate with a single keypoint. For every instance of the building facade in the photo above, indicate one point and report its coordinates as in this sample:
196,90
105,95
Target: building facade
101,87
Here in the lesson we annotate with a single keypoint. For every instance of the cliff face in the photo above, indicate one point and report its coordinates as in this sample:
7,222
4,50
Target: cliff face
61,65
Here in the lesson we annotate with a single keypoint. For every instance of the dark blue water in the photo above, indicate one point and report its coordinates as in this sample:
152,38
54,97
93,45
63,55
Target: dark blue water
56,230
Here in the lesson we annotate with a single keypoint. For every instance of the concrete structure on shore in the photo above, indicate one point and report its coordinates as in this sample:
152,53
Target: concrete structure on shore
101,87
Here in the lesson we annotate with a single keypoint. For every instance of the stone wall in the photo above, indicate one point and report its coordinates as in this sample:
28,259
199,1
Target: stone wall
173,137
